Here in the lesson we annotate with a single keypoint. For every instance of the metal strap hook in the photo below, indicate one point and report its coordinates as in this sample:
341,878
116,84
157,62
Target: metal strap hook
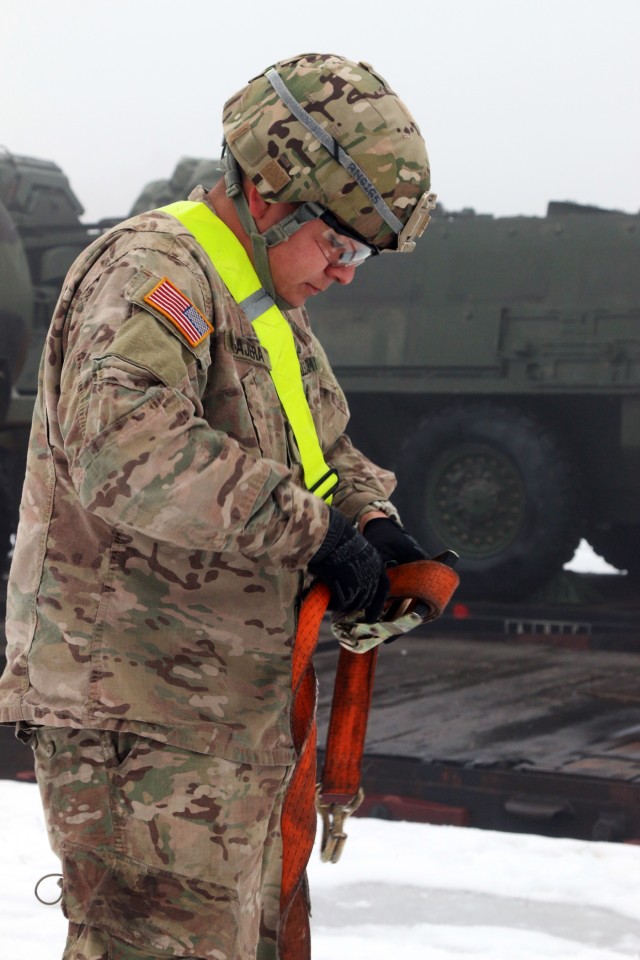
334,816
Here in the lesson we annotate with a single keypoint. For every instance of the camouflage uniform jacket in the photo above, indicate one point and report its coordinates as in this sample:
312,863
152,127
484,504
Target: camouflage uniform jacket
165,528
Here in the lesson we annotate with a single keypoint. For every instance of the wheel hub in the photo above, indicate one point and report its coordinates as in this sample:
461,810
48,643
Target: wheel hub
476,499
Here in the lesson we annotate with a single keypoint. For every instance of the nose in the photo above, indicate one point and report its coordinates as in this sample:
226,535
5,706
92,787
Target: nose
341,274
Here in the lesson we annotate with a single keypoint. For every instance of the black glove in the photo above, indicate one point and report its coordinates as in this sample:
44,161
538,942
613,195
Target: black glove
392,542
351,568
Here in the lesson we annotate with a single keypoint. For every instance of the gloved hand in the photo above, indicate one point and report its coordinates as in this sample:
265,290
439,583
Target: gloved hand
352,569
392,542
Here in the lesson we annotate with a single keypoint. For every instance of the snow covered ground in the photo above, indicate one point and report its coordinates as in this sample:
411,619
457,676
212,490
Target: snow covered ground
405,890
415,891
585,560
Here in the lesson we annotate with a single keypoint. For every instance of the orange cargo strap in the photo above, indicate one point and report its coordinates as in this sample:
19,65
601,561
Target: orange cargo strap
338,795
298,820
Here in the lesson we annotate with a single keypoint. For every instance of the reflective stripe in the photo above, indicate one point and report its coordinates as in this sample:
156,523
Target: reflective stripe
274,333
257,304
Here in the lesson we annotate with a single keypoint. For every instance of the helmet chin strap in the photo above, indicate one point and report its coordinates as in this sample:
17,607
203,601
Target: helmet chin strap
278,233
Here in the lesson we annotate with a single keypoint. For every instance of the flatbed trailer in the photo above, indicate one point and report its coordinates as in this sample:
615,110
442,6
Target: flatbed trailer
507,717
523,718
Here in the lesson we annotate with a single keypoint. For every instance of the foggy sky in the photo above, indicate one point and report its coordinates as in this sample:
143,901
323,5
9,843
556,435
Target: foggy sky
519,102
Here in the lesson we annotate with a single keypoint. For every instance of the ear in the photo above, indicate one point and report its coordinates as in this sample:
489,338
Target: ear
257,205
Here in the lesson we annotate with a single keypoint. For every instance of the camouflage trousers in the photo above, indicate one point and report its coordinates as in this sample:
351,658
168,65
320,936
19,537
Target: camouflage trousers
165,853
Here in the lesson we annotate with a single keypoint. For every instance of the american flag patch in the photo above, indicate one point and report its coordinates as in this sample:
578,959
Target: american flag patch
173,304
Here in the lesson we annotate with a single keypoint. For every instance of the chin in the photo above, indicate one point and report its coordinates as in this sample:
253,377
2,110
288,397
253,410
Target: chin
296,300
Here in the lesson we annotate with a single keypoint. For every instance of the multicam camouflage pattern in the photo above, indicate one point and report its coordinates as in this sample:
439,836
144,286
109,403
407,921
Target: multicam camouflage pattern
164,528
357,107
165,853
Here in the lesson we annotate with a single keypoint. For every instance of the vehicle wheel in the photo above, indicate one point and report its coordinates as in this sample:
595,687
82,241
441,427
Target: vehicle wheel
495,485
619,546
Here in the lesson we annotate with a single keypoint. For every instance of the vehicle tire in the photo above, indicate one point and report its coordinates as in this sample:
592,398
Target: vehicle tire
495,485
619,546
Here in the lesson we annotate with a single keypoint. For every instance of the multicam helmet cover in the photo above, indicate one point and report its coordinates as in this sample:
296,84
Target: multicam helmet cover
324,129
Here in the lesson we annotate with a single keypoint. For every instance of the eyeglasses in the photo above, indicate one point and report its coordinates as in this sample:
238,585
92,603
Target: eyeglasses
341,250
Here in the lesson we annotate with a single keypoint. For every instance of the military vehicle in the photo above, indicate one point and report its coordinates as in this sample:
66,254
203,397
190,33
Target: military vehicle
16,317
189,172
497,369
40,234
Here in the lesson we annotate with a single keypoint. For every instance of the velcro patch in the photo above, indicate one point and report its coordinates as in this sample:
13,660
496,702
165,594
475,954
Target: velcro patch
273,173
182,313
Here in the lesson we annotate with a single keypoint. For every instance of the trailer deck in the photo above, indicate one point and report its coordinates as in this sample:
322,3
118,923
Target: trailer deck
524,719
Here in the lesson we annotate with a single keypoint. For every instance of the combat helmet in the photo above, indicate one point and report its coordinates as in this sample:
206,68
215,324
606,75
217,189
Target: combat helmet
329,134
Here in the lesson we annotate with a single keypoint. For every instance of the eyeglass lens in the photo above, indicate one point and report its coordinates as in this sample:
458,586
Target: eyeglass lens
342,251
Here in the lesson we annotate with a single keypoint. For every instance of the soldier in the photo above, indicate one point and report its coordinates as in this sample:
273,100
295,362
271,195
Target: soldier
178,500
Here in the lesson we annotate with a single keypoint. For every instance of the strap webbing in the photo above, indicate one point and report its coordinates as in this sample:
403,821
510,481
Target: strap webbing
236,270
351,703
298,821
434,584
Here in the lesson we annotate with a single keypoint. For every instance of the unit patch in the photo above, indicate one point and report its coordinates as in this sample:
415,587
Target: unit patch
177,308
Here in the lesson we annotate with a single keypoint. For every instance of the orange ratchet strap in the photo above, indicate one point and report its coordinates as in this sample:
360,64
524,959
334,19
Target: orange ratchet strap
419,592
298,821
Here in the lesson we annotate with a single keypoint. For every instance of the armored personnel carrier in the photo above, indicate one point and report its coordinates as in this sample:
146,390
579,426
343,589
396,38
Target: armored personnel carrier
497,369
40,234
16,318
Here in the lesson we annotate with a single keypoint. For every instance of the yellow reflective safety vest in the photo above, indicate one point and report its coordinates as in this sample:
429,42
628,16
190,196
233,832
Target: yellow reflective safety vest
272,328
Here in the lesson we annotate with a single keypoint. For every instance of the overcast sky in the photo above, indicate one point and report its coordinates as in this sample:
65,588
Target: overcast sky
519,101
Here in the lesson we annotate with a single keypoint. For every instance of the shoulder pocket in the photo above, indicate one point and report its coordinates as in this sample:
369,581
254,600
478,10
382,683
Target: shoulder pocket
147,342
185,319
